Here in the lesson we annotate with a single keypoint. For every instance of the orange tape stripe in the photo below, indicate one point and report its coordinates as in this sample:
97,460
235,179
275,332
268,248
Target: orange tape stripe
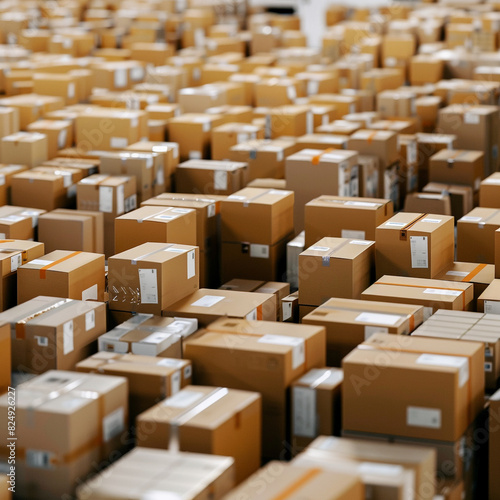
43,270
412,323
371,137
316,158
474,273
308,476
259,313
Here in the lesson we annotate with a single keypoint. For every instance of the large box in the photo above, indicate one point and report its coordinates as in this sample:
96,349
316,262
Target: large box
89,410
349,322
335,267
150,277
345,217
155,224
72,275
200,419
413,244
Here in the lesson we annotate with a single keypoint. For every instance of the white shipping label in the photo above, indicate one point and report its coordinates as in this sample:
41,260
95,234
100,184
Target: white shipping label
395,224
220,180
309,122
137,73
120,199
15,262
68,338
298,352
118,142
188,371
211,210
419,252
148,283
170,363
361,204
39,262
319,249
460,274
90,293
360,242
372,330
160,176
120,78
191,264
437,291
286,311
2,179
71,90
471,118
491,307
90,320
175,383
430,418
195,155
208,301
411,153
460,362
378,318
42,341
488,367
105,199
38,459
259,251
431,221
184,399
241,137
470,219
62,138
350,233
312,87
304,412
113,424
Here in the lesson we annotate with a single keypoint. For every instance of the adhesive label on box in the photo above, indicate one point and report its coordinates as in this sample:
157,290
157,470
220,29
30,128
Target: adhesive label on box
259,251
105,199
175,383
137,73
360,242
90,293
411,153
438,291
148,284
419,252
286,311
2,179
395,224
467,218
120,79
319,249
191,264
460,274
471,118
298,345
252,315
164,217
71,90
61,139
39,262
374,469
488,367
113,424
460,362
208,301
118,142
312,87
211,210
241,137
188,371
431,221
491,307
372,330
220,180
361,204
42,341
120,199
304,412
309,122
430,418
291,92
349,233
90,320
38,459
195,155
15,262
184,399
378,318
68,338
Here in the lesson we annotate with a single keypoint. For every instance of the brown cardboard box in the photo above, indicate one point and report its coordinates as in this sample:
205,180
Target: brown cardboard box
73,275
427,109
228,135
91,409
208,305
206,177
436,203
291,121
280,290
6,173
32,107
453,369
345,217
194,475
150,379
53,333
59,134
350,322
5,371
322,141
412,244
489,192
117,75
290,351
494,448
200,419
399,103
9,121
243,285
64,86
141,279
27,148
315,406
369,167
14,224
335,267
476,235
278,91
431,293
290,308
461,197
488,301
382,144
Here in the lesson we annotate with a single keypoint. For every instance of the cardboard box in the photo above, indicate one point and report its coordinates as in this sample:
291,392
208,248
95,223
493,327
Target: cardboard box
350,322
300,480
345,217
243,285
412,244
453,369
436,203
315,406
26,148
72,275
425,69
335,267
200,419
489,300
228,135
290,308
494,448
427,109
280,290
220,353
192,475
91,409
206,177
433,294
9,121
14,224
489,191
59,134
461,197
369,167
476,235
207,305
6,173
141,279
155,224
31,107
382,144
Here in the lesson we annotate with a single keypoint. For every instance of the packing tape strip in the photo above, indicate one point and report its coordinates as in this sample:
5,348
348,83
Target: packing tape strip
474,273
142,257
43,270
298,484
315,159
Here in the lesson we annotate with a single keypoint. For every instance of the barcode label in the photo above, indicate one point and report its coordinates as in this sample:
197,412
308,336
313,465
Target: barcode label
113,424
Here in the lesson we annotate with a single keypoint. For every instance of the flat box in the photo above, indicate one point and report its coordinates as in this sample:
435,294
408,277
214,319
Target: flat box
15,224
192,475
6,364
54,333
6,173
150,379
216,421
258,216
380,143
476,235
155,224
457,167
432,294
345,217
152,276
89,411
414,244
335,267
489,191
280,290
72,275
208,305
461,197
349,322
59,134
279,354
296,481
489,301
228,135
315,406
207,177
26,148
243,285
435,203
494,448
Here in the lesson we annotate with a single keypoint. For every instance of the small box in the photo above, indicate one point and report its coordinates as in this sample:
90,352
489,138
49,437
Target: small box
489,301
461,197
26,148
436,203
14,224
72,275
6,173
335,267
228,135
243,285
489,192
280,290
426,69
142,278
391,104
290,308
380,143
31,107
59,134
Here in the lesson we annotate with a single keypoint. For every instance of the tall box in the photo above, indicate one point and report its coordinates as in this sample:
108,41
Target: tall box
150,277
411,244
